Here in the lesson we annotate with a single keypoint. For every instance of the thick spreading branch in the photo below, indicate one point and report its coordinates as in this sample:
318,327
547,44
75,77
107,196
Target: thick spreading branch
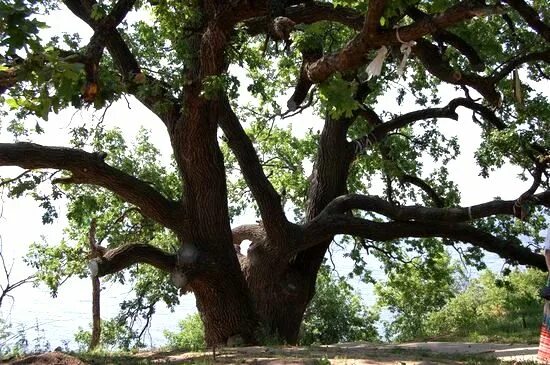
90,168
330,225
124,256
267,198
416,213
353,54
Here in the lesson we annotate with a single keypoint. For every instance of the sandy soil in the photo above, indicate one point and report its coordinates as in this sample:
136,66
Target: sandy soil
419,353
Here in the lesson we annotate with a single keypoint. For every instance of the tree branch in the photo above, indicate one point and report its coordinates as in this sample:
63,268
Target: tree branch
154,94
124,256
309,14
508,67
381,129
353,54
375,10
252,232
452,39
433,61
415,180
531,17
346,203
268,200
330,225
90,168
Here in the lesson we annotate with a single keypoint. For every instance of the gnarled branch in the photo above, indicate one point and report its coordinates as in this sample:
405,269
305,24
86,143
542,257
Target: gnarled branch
268,200
378,205
122,257
90,168
330,225
353,54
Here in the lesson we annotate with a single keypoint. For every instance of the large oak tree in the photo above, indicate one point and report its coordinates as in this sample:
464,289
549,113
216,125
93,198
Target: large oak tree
181,65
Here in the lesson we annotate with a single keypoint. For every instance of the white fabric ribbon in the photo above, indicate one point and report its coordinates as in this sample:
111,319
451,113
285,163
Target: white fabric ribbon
406,49
375,67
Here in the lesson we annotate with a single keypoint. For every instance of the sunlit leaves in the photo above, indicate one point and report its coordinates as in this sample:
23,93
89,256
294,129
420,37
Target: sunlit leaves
337,95
55,264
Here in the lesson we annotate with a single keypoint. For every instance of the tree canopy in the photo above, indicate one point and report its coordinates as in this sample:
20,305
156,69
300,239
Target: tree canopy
225,77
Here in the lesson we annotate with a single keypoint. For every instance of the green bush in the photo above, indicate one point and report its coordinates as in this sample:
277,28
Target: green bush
493,308
190,336
414,290
336,314
115,334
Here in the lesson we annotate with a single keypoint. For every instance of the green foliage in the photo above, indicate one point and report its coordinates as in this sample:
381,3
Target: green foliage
190,336
18,27
115,334
337,95
336,314
493,308
436,303
51,76
412,291
55,264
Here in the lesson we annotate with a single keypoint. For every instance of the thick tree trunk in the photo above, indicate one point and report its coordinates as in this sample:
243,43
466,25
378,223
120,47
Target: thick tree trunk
277,291
224,307
282,290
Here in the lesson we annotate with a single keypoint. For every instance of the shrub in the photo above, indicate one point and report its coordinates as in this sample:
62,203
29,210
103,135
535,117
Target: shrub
493,308
336,314
115,334
190,336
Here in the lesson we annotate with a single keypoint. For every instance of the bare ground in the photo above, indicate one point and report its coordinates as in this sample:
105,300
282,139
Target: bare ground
420,353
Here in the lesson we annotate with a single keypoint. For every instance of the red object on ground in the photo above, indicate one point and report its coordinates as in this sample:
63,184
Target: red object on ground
544,343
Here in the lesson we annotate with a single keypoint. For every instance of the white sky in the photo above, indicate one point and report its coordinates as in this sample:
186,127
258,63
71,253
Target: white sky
20,223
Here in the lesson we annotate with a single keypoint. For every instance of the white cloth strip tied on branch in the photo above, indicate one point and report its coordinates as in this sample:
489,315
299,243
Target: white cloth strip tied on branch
406,49
375,67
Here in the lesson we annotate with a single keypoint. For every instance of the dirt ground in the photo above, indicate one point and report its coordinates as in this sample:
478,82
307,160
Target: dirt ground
420,353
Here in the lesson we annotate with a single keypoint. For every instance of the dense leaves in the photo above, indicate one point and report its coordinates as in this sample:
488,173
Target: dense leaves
337,314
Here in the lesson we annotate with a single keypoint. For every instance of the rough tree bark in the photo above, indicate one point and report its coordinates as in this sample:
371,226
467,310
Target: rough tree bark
96,290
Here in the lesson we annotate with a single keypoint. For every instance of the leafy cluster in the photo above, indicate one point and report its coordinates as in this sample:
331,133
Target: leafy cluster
337,314
190,336
443,304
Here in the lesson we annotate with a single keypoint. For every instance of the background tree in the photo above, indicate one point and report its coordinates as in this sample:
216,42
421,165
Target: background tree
185,66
